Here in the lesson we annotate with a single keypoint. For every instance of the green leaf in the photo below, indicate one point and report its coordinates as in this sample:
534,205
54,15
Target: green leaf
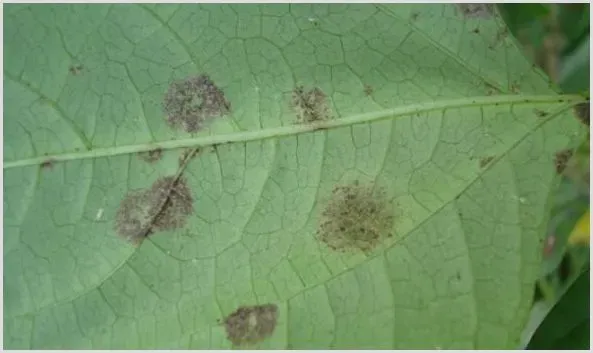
422,124
567,325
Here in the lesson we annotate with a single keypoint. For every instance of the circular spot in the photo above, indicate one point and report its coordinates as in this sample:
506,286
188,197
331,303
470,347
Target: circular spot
191,102
357,217
251,324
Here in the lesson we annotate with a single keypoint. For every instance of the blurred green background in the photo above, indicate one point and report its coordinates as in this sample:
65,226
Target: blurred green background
556,38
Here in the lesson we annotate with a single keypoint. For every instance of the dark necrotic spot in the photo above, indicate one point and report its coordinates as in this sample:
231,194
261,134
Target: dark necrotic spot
75,69
151,156
476,10
582,111
250,325
356,218
165,206
561,160
47,165
540,113
191,102
310,106
485,161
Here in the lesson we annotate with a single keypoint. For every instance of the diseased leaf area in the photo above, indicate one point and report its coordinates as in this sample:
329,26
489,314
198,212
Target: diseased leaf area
252,324
356,218
165,206
189,103
311,105
133,221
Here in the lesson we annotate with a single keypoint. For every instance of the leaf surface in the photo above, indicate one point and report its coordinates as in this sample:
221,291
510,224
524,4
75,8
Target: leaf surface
433,105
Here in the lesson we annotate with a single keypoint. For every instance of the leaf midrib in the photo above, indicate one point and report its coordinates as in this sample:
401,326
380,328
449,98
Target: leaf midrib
276,132
554,114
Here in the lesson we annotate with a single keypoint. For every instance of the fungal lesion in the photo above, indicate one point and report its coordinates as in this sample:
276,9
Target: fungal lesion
191,102
310,105
357,217
562,159
166,205
151,156
249,325
75,70
485,161
47,164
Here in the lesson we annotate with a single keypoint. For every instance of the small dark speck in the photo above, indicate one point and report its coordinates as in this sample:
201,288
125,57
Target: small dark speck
540,113
75,69
47,164
414,16
476,30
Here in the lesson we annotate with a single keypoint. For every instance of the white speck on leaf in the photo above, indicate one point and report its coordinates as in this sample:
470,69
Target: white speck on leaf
99,214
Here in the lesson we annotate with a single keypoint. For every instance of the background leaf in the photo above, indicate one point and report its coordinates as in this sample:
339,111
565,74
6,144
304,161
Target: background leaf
434,105
567,324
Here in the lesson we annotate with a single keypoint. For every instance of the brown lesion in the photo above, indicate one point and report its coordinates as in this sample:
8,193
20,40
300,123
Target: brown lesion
485,161
540,113
561,160
151,156
249,325
191,102
166,205
310,106
47,164
476,10
75,69
356,218
582,112
368,90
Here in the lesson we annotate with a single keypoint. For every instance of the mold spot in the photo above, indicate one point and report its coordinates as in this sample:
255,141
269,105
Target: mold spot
151,156
561,160
75,70
368,90
165,206
476,10
540,113
485,161
582,112
191,102
47,165
250,325
356,218
310,106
